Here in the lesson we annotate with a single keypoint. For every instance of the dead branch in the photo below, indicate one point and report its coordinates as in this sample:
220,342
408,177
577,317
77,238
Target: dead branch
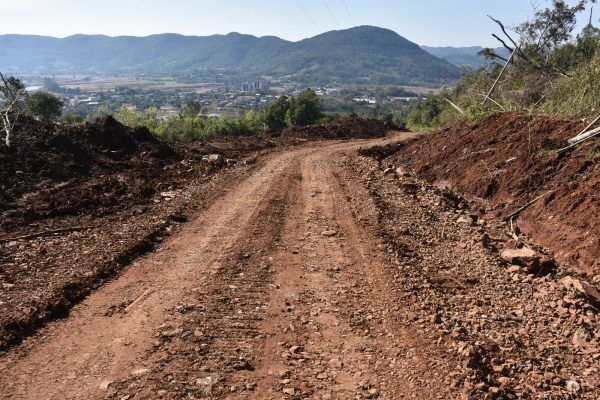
457,108
494,101
10,113
521,209
516,46
507,47
588,135
46,233
520,51
581,134
499,76
512,231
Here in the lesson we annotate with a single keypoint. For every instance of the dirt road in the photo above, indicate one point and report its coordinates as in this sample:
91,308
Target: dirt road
279,289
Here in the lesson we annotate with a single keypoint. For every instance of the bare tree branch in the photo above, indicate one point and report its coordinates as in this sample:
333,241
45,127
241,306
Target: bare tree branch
12,93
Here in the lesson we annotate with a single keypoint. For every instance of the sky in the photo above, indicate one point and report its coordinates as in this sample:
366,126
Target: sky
426,22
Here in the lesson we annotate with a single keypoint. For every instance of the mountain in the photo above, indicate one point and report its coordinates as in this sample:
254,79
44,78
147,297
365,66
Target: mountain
362,54
462,56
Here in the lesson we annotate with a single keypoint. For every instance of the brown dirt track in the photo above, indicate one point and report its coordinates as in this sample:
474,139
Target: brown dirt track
311,272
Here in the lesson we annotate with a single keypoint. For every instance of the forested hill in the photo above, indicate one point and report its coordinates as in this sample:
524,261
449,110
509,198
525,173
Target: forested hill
363,54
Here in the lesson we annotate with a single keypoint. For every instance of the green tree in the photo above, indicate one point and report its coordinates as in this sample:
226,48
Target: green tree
305,109
71,119
192,109
44,106
274,114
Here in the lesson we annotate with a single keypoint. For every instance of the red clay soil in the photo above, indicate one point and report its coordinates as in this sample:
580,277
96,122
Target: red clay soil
507,160
77,204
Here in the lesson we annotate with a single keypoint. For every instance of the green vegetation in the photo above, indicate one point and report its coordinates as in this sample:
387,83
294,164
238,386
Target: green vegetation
553,71
43,106
303,109
274,114
364,54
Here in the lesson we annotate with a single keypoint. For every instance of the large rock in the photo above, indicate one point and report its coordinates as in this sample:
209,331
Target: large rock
584,288
532,261
525,257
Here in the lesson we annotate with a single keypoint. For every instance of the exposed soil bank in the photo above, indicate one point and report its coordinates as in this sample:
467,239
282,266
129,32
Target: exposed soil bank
507,160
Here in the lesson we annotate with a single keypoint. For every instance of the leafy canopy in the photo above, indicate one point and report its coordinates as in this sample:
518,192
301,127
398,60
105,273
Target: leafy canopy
305,109
44,106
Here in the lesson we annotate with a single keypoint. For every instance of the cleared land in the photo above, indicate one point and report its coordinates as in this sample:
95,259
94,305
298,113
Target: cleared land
316,270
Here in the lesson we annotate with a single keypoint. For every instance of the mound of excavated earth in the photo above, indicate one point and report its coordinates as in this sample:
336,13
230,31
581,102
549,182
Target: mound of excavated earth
344,128
509,167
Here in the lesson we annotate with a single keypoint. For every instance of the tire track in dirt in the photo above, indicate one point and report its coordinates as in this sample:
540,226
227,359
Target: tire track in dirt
272,292
106,337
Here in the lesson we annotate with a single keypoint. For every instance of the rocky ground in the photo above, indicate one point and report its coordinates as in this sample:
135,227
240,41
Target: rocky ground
79,203
512,324
324,272
509,167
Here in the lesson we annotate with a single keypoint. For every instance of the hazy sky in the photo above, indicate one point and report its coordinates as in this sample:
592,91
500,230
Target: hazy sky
428,22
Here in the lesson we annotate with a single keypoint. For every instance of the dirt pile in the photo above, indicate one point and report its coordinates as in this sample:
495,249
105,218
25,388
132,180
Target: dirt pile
508,160
343,128
52,171
79,203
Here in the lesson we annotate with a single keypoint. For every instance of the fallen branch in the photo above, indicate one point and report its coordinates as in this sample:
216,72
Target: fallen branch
138,299
584,133
46,233
457,108
512,231
499,76
514,214
590,135
495,102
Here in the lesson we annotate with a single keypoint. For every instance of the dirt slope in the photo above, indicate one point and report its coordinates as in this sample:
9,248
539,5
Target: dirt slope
318,274
308,272
509,159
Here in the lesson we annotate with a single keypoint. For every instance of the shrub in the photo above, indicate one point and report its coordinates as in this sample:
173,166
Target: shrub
43,106
305,109
274,114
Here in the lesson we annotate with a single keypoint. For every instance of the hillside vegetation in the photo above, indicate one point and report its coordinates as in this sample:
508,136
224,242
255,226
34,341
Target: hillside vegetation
554,71
363,54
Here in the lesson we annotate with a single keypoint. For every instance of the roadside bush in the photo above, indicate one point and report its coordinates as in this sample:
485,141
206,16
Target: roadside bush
274,114
305,109
245,125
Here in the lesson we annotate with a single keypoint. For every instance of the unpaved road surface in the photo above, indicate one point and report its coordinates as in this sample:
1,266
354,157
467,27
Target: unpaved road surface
286,287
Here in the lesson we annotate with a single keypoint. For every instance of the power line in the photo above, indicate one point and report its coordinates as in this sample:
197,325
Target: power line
349,13
308,15
332,16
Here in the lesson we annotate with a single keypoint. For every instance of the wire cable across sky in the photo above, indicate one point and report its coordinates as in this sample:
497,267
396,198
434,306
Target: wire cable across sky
349,13
331,13
308,15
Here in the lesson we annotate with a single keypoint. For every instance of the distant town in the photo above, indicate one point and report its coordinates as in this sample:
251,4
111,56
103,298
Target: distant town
83,95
